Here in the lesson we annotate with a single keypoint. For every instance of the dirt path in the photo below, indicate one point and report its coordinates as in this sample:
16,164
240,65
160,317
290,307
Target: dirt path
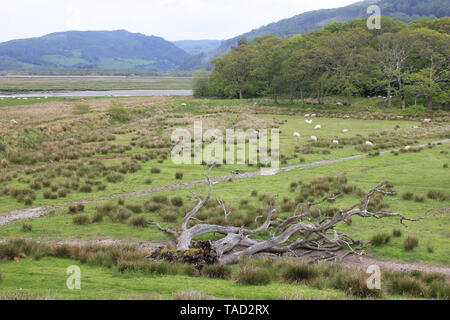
39,211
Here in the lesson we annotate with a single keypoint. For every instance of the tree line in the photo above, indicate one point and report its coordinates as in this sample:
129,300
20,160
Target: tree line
410,62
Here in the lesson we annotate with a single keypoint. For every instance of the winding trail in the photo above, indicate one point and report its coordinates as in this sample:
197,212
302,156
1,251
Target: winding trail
36,212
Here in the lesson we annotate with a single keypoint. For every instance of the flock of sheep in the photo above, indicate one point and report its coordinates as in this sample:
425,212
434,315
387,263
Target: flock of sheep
318,127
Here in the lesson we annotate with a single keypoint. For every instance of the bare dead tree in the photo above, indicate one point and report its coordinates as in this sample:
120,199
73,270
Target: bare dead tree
295,232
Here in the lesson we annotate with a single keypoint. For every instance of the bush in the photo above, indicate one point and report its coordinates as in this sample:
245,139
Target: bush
250,275
27,227
410,243
115,177
419,198
98,217
436,195
397,233
81,108
177,201
408,196
179,176
217,271
298,273
161,199
135,208
354,283
138,222
406,285
85,188
155,170
81,220
170,217
118,113
380,239
190,295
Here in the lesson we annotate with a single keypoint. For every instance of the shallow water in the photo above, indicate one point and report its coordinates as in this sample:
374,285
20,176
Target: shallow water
112,93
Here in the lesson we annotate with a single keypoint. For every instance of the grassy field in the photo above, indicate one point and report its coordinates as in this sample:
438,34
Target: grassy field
60,152
43,83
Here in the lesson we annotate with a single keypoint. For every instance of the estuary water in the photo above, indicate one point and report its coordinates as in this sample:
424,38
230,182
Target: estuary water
111,93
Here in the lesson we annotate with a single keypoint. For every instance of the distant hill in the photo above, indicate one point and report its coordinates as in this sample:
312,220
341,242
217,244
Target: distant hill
194,47
92,49
400,10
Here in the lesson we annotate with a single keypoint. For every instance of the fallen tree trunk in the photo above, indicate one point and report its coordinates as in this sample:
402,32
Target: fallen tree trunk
320,235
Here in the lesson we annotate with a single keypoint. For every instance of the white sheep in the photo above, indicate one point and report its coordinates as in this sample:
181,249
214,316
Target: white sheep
407,148
296,134
308,121
307,115
427,120
415,127
335,142
313,115
318,127
184,104
14,122
345,130
314,138
368,143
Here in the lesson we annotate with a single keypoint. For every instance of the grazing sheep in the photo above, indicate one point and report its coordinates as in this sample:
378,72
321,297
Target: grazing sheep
346,116
415,127
407,148
4,163
345,130
307,115
368,143
184,104
427,120
314,138
318,127
308,121
339,104
313,115
296,134
335,142
14,122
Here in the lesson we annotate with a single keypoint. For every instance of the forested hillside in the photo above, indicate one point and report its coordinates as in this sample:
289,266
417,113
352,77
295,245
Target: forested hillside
92,49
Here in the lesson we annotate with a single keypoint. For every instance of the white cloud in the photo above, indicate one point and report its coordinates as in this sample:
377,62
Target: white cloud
171,19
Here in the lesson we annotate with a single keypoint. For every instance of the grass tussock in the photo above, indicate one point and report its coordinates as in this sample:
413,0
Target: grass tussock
410,243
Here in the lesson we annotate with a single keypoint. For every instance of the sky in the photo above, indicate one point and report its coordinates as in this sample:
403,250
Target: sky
170,19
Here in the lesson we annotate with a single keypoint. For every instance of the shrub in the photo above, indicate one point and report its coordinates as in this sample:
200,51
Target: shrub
250,275
254,193
408,196
81,108
410,243
135,208
179,176
170,217
81,219
155,170
380,239
397,233
80,207
177,201
98,217
115,177
27,227
445,166
161,199
190,295
85,188
118,113
436,195
217,271
138,222
406,285
354,283
419,198
148,181
298,273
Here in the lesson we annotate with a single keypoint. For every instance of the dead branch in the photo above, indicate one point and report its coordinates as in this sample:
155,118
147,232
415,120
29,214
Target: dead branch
286,235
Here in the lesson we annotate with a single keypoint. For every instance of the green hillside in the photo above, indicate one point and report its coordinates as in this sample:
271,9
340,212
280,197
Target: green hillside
92,49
